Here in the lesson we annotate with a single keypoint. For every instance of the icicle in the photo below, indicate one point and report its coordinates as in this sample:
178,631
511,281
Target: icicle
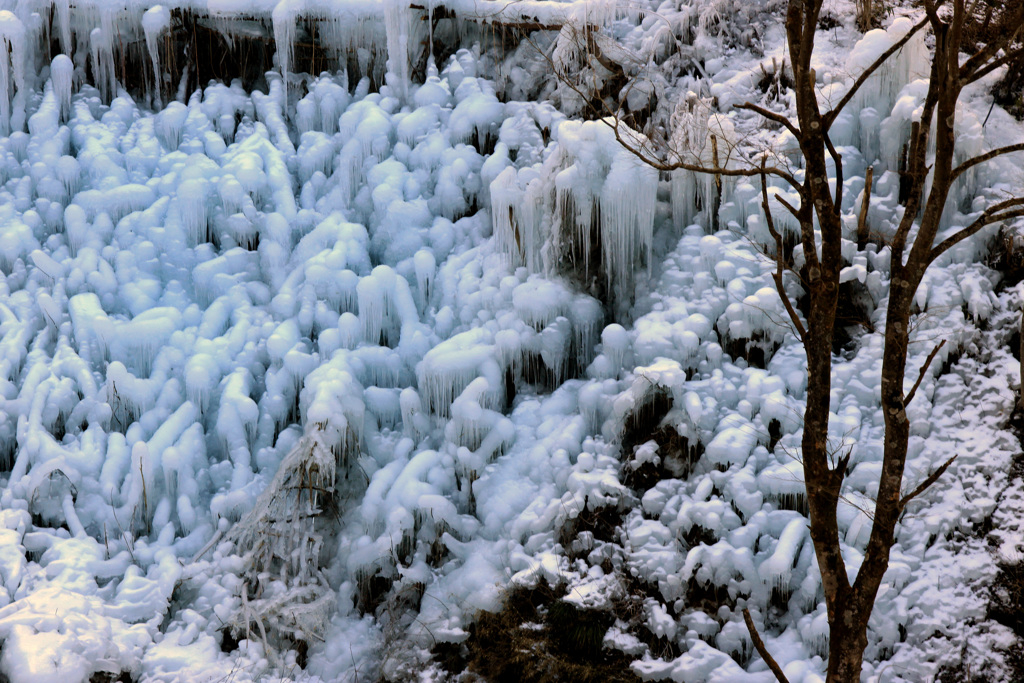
330,109
12,31
684,198
587,317
283,18
397,25
192,210
509,346
62,72
306,114
615,343
448,368
155,21
62,10
202,375
816,633
883,89
516,213
426,266
970,142
777,570
555,346
102,63
627,219
539,302
373,304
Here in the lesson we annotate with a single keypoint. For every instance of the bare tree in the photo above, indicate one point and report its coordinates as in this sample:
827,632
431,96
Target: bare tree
930,173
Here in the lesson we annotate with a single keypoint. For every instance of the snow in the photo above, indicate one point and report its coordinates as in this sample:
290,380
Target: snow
273,362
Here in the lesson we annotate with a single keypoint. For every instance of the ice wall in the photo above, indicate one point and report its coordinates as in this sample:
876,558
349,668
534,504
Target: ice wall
351,31
862,121
602,194
13,47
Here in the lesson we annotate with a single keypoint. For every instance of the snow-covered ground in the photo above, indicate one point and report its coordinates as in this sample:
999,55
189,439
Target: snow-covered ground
293,384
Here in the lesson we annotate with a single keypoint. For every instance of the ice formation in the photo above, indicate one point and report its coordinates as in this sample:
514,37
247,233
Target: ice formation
598,186
12,65
704,138
155,21
860,121
329,359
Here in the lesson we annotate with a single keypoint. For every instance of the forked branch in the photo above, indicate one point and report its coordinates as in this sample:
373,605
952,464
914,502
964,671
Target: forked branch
993,65
1001,211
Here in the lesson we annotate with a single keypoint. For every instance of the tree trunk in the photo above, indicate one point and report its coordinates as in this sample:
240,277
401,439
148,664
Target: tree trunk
1020,352
848,637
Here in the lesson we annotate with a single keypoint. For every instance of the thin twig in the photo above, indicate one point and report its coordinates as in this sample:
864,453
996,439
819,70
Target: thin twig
932,478
924,369
762,650
982,158
829,117
640,149
1002,211
771,116
209,544
779,256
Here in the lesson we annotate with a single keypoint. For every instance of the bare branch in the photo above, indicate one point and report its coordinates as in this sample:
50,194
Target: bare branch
916,167
982,158
924,369
985,60
718,182
931,479
762,650
1003,211
789,207
829,117
771,116
612,119
993,65
629,142
779,267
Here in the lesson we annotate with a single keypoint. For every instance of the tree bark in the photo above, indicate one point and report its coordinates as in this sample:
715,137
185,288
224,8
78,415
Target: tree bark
1020,351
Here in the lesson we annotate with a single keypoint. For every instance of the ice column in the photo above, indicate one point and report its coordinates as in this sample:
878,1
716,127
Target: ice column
62,9
283,18
155,21
62,72
12,31
397,25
